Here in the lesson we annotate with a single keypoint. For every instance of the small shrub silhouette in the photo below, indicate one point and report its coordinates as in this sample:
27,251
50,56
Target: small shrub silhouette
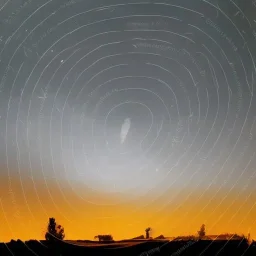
201,232
54,231
147,232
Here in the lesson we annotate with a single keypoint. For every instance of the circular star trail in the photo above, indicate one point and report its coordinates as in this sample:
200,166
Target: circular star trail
130,97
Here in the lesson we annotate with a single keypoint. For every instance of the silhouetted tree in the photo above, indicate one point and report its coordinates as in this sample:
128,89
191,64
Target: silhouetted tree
104,237
54,230
201,232
147,232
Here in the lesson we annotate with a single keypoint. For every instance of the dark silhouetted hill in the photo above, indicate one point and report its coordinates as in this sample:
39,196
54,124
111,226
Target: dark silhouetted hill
160,237
131,248
139,237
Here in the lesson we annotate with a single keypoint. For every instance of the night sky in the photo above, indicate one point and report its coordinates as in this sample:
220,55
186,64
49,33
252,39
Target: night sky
116,115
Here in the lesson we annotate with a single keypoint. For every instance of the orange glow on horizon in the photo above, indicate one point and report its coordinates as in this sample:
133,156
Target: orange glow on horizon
27,218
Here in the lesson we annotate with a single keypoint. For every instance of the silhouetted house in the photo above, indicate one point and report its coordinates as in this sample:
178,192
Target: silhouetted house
104,238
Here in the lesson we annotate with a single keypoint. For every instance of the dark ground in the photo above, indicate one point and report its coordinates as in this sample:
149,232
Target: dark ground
131,248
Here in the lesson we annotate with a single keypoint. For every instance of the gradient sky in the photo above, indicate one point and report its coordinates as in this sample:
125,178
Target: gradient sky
116,116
